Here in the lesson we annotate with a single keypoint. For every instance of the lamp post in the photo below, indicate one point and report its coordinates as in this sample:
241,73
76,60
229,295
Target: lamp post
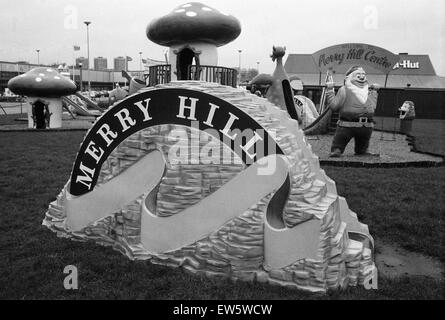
140,60
258,67
87,23
38,56
80,76
239,67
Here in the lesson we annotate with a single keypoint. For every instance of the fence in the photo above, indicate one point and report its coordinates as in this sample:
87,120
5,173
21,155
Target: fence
221,75
159,74
225,76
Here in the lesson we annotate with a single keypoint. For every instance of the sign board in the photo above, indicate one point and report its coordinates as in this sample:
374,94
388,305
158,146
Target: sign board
166,106
407,64
355,54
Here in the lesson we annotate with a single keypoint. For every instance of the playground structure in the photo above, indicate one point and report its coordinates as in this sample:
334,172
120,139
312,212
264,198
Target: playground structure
193,32
44,88
48,93
80,107
261,210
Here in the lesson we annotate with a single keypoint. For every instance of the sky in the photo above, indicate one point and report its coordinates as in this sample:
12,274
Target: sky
118,28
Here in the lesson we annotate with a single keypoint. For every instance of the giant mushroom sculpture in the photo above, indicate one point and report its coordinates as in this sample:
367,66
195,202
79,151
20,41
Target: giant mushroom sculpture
44,88
193,31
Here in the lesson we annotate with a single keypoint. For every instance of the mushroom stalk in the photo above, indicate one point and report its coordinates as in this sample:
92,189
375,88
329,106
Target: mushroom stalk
52,112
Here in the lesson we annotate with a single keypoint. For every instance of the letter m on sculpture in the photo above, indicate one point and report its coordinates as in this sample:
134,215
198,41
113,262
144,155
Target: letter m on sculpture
87,176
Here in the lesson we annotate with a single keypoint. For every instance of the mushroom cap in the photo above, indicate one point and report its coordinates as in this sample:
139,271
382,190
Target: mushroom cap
262,80
194,22
42,82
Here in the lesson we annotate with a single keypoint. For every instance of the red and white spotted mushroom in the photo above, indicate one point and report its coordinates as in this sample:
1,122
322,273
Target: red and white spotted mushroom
45,86
193,30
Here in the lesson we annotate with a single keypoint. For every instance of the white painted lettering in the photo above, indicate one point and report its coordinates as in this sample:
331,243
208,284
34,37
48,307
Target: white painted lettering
209,120
191,108
106,133
124,118
228,126
95,153
87,178
144,109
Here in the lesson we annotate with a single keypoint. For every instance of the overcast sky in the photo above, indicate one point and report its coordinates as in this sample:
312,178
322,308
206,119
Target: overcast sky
303,26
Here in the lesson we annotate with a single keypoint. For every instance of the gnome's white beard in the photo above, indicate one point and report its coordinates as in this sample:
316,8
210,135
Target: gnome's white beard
358,89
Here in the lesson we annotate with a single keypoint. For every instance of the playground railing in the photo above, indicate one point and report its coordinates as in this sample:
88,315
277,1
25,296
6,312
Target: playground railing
221,75
226,76
159,74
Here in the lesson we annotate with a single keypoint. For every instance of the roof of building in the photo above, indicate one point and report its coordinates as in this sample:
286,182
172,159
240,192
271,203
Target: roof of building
394,81
416,70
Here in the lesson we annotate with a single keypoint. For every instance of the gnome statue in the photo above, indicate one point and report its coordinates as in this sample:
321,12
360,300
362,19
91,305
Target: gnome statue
356,102
407,114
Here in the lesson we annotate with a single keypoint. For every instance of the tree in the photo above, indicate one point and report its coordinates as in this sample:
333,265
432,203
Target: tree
247,74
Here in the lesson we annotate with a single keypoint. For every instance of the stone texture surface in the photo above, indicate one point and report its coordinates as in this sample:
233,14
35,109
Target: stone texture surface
236,249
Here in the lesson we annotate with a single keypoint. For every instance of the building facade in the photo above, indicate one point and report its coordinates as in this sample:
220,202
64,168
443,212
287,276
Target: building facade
100,64
120,63
83,61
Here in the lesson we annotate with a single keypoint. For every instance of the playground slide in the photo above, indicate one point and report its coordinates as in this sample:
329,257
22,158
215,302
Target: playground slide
80,110
90,103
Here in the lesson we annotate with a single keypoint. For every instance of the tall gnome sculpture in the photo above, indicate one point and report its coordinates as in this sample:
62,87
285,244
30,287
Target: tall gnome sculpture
44,88
356,102
193,31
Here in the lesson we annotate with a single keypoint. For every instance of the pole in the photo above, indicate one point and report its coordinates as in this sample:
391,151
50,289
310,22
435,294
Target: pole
80,74
38,57
87,23
140,60
74,62
239,67
258,67
126,67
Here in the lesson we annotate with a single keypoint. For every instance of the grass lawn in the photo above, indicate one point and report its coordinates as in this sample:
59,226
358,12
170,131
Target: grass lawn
403,206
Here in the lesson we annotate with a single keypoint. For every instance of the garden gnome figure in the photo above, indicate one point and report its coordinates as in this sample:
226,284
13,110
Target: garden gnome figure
356,102
407,114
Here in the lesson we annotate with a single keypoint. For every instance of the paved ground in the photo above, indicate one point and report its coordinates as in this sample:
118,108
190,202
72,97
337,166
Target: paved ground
429,133
388,147
393,261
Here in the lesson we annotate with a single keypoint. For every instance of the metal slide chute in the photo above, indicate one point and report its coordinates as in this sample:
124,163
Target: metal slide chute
79,109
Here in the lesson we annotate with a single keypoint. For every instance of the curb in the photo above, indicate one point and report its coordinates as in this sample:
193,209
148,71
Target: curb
387,165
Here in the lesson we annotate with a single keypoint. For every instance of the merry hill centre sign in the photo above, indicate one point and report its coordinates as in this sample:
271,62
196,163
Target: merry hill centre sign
333,57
